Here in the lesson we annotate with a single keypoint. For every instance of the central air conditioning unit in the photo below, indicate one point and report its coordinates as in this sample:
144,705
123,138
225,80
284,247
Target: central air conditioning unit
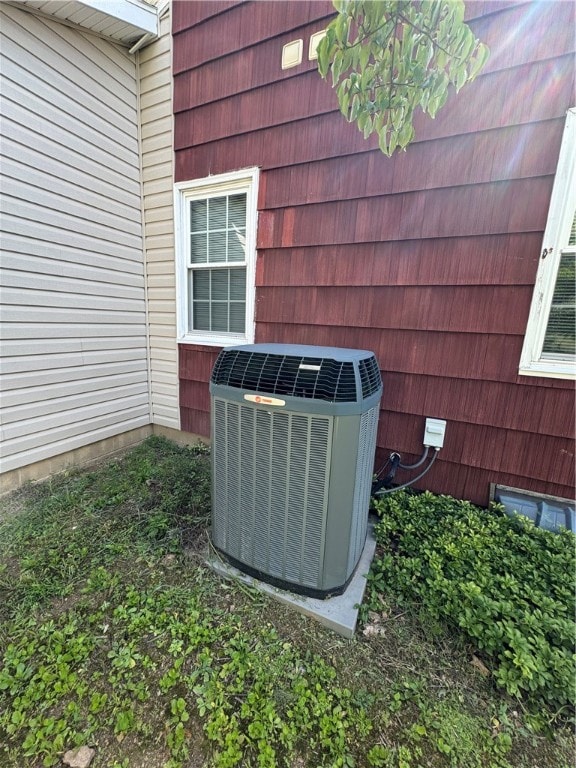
293,444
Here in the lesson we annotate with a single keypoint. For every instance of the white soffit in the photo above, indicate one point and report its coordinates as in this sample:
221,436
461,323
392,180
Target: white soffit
124,21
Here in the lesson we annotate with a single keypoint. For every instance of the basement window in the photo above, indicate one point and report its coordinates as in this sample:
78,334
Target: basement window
216,254
549,512
550,342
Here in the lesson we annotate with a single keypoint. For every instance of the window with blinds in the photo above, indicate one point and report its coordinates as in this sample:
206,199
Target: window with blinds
550,343
217,272
215,248
560,337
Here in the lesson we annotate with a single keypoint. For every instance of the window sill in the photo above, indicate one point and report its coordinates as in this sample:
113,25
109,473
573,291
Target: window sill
549,369
214,341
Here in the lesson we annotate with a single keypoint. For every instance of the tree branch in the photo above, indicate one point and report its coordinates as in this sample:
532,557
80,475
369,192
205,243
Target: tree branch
392,65
427,34
348,47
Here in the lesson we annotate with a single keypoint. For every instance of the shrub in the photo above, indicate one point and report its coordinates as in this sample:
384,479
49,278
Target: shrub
506,584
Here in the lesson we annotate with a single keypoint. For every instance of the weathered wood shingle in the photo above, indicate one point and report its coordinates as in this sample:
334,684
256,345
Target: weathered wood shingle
428,258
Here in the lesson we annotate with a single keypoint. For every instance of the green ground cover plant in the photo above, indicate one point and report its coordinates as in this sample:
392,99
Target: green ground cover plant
506,585
115,634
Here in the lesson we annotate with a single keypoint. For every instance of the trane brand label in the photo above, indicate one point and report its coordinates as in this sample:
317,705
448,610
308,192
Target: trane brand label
264,400
307,367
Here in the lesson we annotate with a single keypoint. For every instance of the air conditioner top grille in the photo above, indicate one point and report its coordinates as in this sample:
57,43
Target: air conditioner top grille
261,368
369,376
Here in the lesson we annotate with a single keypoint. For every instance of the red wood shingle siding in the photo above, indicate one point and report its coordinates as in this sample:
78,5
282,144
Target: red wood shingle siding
428,258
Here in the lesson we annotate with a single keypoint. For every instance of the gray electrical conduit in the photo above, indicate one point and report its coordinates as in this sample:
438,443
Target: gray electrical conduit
419,463
414,479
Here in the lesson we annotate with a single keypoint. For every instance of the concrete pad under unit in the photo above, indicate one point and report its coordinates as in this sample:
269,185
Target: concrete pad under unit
338,613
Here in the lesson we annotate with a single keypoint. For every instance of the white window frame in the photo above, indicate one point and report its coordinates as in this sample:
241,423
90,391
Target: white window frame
222,184
556,236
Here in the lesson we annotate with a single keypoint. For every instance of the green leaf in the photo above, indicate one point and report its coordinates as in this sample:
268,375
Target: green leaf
481,57
337,62
344,98
323,57
393,141
461,78
405,135
363,56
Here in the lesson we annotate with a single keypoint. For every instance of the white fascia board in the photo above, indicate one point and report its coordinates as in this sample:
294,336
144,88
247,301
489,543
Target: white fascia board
134,12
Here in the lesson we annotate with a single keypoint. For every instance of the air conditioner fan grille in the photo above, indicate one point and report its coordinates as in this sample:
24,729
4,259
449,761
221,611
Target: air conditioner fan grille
307,377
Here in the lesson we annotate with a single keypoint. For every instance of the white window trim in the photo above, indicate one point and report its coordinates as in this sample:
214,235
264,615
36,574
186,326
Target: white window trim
556,234
246,181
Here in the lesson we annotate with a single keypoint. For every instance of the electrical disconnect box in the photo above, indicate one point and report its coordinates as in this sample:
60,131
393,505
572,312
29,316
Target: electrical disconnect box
434,432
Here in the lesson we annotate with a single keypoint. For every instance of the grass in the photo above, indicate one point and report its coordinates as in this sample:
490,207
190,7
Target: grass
114,634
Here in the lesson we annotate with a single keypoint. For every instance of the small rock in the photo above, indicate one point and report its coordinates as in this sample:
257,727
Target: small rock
168,560
79,758
480,666
370,630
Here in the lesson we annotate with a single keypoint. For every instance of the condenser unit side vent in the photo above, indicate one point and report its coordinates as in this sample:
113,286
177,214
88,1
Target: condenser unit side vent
363,485
273,475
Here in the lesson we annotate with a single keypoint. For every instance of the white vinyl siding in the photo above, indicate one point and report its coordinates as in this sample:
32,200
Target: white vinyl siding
550,344
216,236
74,352
158,178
